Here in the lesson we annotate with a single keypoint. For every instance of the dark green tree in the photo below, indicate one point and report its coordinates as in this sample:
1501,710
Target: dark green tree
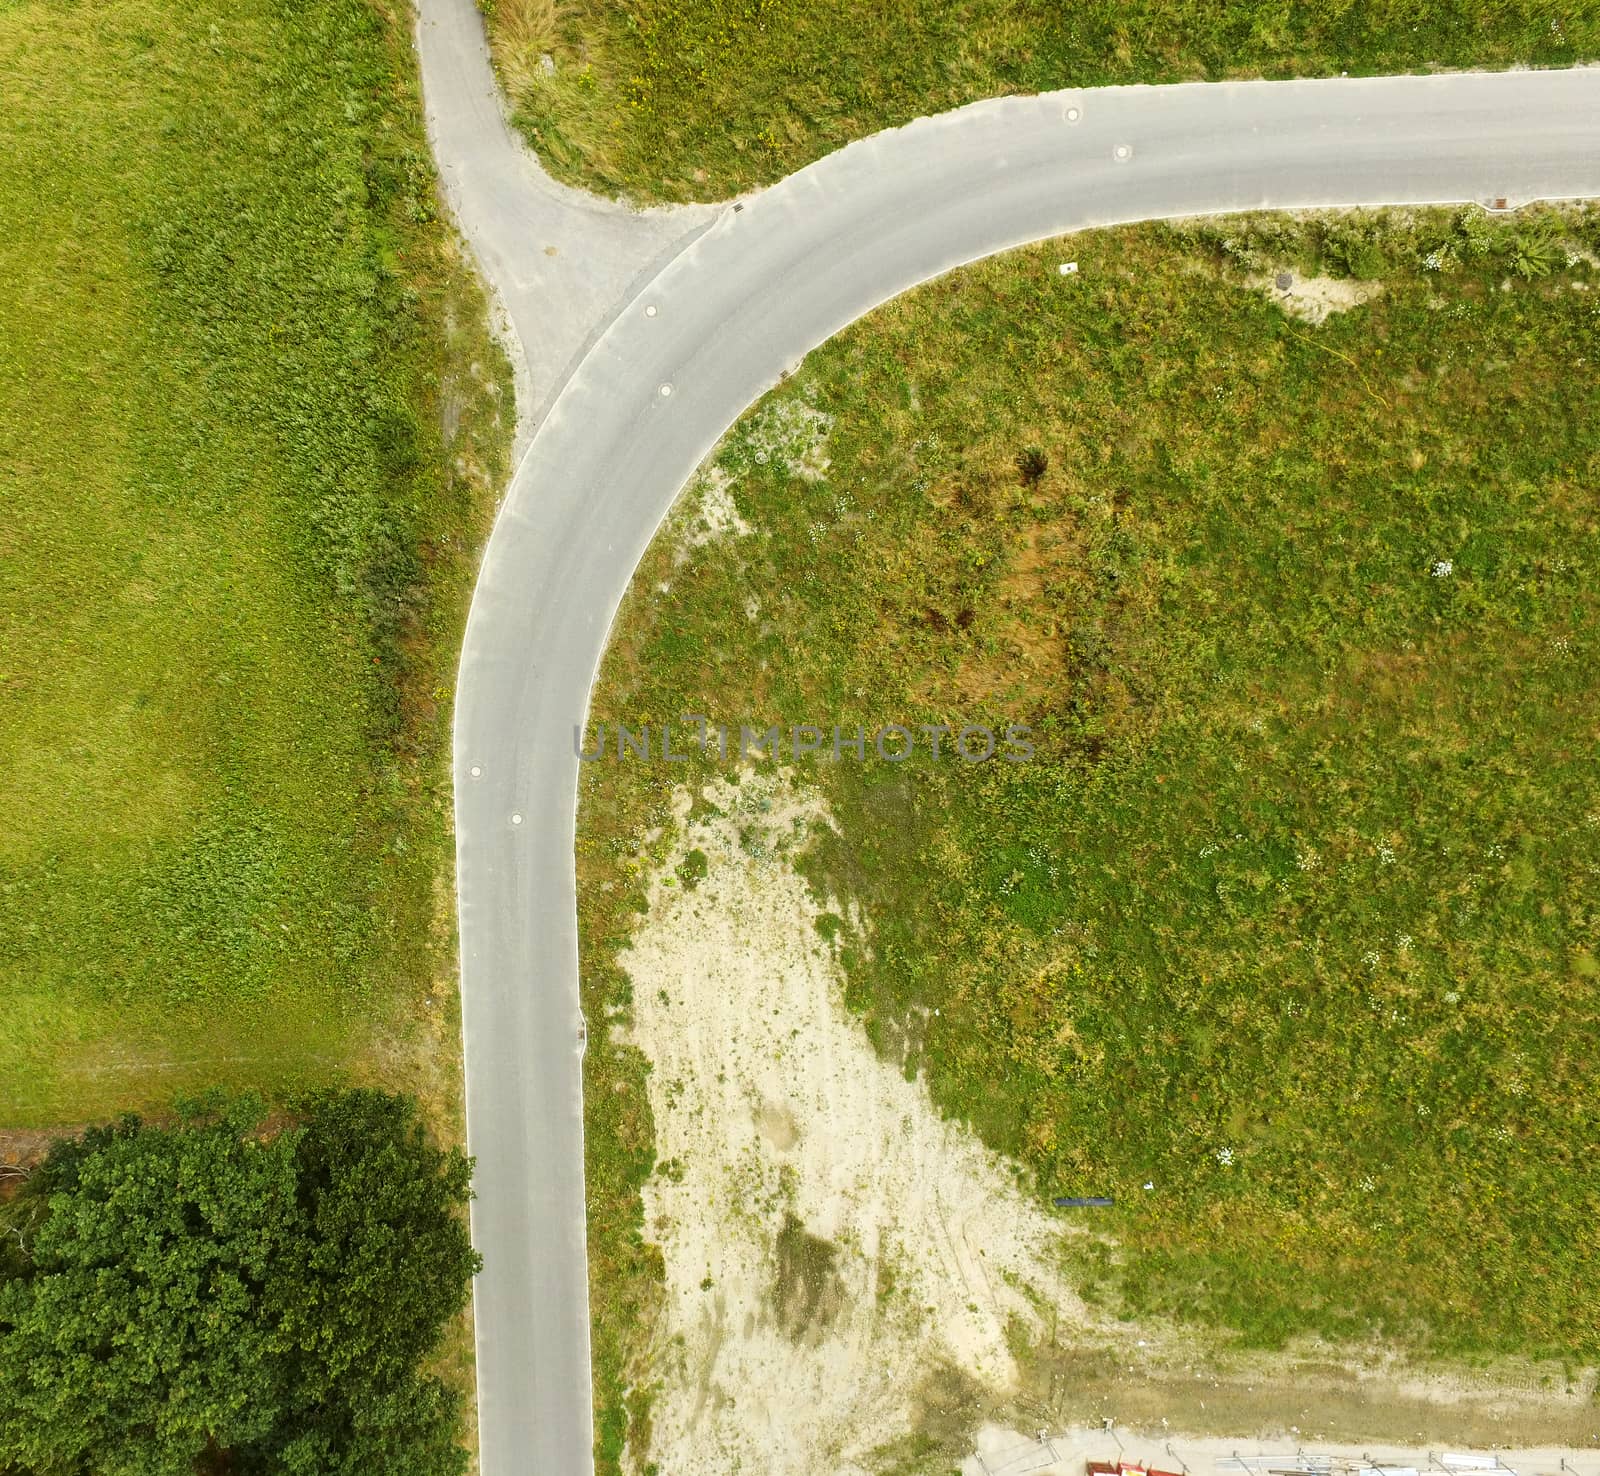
205,1296
383,1262
134,1340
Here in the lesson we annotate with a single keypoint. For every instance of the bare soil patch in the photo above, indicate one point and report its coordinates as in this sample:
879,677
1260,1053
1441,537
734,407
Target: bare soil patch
829,1241
1315,299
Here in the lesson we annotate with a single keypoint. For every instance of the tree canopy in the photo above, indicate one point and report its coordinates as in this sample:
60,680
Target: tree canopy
211,1296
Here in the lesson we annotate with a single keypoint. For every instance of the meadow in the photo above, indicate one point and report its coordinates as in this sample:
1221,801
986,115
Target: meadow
247,454
1286,938
663,100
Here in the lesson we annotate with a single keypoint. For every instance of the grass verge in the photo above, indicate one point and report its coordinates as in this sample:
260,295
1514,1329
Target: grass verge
252,455
660,100
1290,917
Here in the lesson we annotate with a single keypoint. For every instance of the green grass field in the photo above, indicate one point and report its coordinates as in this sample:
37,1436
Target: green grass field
1293,914
235,545
660,99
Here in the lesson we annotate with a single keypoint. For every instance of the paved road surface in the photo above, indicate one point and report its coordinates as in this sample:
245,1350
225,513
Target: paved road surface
560,261
744,301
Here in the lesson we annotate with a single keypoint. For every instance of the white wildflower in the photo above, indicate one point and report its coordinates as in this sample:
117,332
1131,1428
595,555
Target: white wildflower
1442,568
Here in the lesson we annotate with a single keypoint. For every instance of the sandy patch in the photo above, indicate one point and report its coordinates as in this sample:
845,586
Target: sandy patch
795,434
711,512
1314,299
829,1240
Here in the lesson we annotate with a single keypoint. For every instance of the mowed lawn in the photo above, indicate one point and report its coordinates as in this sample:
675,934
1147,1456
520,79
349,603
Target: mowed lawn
662,99
1287,938
233,552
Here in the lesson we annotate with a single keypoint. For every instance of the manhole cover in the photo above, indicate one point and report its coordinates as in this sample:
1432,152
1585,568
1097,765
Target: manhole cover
1285,281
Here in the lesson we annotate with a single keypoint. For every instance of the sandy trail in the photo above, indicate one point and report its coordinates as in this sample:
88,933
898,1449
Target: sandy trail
829,1240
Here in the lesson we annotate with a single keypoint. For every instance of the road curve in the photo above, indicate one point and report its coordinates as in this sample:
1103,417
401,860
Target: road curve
742,303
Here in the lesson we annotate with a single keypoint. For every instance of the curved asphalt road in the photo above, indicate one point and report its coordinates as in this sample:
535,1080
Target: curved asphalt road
744,301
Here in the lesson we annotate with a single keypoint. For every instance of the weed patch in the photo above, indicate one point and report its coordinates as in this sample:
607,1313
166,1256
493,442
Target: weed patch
805,1291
